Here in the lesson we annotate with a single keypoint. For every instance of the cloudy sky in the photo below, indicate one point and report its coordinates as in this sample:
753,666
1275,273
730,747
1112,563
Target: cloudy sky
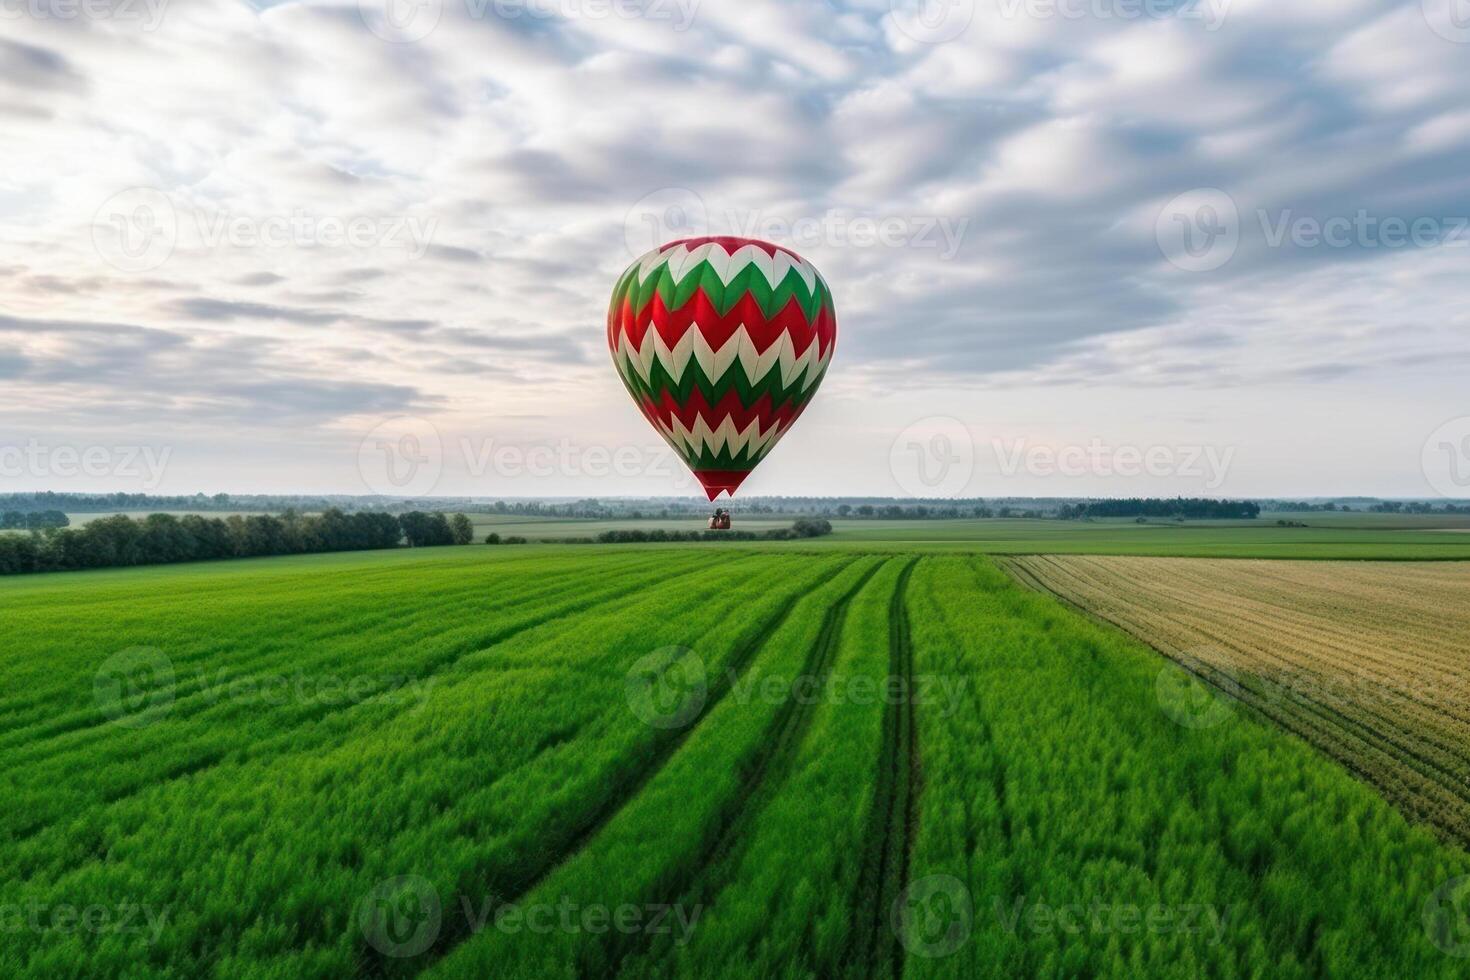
1078,246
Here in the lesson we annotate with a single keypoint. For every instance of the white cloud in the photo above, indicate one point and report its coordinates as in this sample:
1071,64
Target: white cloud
1025,162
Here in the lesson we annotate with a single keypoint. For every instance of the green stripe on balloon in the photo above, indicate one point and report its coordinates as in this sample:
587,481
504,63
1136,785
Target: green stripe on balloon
770,402
661,381
749,281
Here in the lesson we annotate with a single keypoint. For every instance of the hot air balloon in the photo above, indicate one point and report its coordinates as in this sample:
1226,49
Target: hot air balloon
722,342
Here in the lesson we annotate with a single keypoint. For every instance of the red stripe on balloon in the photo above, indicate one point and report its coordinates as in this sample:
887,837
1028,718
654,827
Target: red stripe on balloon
696,407
716,329
716,482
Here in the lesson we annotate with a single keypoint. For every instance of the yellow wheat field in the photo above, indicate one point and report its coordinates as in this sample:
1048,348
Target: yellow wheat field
1370,661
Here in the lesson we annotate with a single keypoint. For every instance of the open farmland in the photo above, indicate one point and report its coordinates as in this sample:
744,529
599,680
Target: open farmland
1382,537
1369,661
657,762
1377,536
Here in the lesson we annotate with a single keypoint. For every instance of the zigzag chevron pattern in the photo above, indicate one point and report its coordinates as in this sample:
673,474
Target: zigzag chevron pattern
722,342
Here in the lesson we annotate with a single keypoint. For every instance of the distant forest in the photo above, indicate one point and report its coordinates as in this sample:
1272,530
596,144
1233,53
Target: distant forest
34,511
33,520
1367,505
1179,507
161,539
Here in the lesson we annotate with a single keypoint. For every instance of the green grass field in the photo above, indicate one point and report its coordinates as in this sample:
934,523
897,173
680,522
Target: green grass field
1328,535
838,758
1206,539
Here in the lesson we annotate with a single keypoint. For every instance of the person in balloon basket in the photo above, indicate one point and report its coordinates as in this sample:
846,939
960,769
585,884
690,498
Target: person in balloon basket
720,520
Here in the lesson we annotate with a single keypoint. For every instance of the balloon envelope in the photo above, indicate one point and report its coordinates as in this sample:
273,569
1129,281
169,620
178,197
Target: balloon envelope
722,342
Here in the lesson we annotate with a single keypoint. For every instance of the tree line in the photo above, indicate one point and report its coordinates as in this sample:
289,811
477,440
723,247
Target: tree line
1368,504
1415,507
37,520
804,527
160,539
1188,508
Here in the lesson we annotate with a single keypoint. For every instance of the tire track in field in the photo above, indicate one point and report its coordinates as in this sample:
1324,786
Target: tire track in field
702,878
457,928
888,840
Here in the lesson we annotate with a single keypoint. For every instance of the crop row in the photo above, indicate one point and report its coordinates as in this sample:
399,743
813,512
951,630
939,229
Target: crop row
1369,662
793,764
680,840
201,706
1081,829
261,857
